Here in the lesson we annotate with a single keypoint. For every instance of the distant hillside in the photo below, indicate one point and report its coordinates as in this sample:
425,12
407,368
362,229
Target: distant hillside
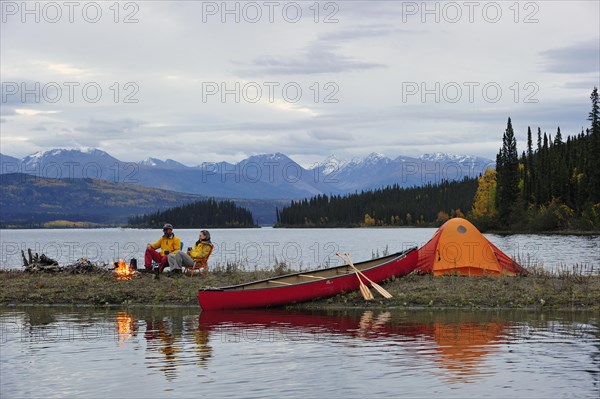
6,162
26,200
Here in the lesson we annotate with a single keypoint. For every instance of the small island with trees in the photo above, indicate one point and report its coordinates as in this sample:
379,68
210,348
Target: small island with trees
207,214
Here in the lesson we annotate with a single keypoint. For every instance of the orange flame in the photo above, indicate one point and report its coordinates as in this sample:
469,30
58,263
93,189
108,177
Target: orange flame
122,271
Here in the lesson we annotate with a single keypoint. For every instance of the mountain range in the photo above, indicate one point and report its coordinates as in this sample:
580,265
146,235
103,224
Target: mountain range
267,177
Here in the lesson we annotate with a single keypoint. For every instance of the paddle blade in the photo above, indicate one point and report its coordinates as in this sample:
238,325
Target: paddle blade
382,291
364,290
368,295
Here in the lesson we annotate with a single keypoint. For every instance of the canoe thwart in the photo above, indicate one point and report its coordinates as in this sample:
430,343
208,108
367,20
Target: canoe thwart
308,275
279,282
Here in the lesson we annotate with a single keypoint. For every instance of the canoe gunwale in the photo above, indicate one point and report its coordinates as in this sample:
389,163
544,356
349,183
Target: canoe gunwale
379,263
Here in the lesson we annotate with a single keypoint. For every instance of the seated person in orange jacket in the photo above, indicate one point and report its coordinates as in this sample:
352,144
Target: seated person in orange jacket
168,244
201,250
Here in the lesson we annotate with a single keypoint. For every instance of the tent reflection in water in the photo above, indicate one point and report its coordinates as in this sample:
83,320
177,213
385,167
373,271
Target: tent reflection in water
457,247
462,347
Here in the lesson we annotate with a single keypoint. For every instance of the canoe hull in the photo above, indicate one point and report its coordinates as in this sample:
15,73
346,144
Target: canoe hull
239,298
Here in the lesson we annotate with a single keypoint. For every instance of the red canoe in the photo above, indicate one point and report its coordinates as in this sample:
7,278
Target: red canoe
305,286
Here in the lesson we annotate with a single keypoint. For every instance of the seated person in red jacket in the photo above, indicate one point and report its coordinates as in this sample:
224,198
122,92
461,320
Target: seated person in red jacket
168,243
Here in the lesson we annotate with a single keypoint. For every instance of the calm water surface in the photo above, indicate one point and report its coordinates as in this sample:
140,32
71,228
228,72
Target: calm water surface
299,248
150,353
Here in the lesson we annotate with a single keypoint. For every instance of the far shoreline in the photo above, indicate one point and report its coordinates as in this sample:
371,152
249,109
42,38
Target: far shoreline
582,233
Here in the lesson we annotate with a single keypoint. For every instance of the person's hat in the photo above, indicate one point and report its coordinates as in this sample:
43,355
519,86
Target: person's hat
168,226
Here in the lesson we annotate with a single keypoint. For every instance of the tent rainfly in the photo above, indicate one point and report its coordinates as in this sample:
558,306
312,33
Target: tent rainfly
457,247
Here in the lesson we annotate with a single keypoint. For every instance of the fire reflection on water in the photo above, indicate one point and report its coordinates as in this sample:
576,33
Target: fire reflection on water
126,327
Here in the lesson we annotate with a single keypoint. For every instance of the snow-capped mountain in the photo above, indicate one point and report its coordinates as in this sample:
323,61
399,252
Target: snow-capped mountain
377,170
329,165
265,176
74,155
155,162
460,159
71,163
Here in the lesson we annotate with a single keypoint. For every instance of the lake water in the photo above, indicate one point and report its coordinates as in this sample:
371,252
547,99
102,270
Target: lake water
299,248
52,352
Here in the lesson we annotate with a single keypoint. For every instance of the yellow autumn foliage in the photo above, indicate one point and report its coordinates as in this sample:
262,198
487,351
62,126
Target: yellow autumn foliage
484,206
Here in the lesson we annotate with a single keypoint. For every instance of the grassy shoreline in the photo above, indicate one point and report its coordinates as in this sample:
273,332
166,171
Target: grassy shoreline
539,290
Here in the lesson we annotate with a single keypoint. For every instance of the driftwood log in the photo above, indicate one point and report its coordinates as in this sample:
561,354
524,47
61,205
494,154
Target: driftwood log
37,263
41,263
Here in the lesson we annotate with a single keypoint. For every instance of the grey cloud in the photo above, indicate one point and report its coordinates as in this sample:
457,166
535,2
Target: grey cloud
329,135
570,115
57,139
376,10
580,57
320,57
110,128
7,111
362,32
17,92
583,84
303,124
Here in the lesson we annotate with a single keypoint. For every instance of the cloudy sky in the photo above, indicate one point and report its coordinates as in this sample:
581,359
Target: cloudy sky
208,81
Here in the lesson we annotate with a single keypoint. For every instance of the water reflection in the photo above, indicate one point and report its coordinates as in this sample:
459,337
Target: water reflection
402,349
126,326
463,347
163,337
460,347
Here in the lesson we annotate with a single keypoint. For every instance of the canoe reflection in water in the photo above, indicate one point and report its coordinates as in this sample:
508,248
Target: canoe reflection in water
457,345
453,345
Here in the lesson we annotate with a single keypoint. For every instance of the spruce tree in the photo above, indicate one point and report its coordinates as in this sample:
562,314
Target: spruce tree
530,182
558,169
544,173
507,193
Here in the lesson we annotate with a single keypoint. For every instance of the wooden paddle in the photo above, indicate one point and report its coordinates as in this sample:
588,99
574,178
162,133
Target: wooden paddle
377,287
364,290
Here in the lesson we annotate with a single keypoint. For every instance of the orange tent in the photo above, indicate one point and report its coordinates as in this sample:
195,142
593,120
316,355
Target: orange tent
457,247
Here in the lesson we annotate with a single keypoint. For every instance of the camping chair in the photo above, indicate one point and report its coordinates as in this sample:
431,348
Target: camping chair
200,264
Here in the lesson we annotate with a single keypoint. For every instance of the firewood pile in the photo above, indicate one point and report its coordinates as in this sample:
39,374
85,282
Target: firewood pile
35,263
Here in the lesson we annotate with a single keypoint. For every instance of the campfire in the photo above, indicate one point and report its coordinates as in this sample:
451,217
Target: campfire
123,271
